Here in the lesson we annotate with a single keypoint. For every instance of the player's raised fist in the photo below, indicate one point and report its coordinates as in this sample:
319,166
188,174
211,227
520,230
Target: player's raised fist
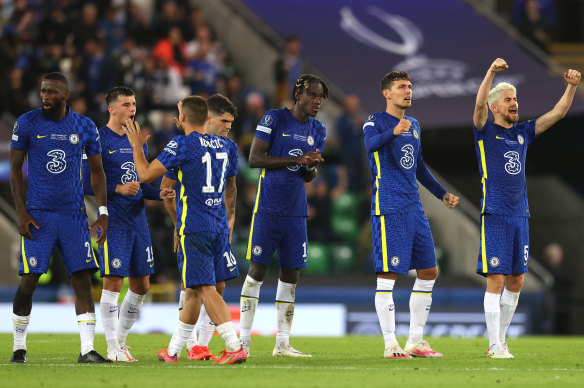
498,65
572,77
450,200
401,127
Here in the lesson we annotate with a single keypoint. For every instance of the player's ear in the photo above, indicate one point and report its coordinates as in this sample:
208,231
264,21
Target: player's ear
385,93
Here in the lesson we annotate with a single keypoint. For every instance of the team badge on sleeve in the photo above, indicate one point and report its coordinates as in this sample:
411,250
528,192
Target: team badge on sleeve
73,138
371,118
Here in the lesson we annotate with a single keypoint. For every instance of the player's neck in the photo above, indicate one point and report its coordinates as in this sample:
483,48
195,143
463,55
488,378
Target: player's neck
116,127
298,115
395,111
190,129
503,123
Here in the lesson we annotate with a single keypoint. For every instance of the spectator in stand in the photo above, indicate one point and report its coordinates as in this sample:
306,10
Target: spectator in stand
172,50
553,255
87,27
535,26
287,69
349,130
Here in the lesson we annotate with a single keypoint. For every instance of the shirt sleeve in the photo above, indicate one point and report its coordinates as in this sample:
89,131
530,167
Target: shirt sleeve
233,160
172,154
266,128
530,131
91,136
20,135
321,138
427,179
150,192
374,139
172,174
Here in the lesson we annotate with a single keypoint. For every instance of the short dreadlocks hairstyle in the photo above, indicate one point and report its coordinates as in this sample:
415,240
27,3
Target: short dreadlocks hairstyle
388,79
304,81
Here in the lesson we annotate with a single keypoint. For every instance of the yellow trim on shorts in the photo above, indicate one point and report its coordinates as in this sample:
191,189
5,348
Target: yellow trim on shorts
248,253
183,197
105,258
23,255
184,268
483,245
376,155
384,244
484,178
257,201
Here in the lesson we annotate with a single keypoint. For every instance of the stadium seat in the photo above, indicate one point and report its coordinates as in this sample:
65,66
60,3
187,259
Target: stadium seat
346,228
343,258
318,255
347,204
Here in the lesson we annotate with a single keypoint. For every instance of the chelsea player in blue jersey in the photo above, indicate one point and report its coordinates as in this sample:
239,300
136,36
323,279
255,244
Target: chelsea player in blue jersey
52,140
501,147
127,251
202,161
287,147
222,113
400,232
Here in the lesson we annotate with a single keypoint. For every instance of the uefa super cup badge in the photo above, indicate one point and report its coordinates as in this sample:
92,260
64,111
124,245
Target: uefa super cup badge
73,138
520,139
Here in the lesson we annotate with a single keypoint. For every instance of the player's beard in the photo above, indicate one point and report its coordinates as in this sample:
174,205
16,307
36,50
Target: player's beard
53,113
511,119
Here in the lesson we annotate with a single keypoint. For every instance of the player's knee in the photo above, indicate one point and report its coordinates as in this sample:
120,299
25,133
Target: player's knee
28,283
220,287
428,273
289,275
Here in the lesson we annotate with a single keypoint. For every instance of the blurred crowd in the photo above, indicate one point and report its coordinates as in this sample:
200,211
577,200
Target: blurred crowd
165,50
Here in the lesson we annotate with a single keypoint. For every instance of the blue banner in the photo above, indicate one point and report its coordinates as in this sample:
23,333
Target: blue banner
444,45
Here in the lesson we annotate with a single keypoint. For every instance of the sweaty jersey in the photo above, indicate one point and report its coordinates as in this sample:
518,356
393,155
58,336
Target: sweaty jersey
54,150
395,165
201,163
281,191
125,211
501,155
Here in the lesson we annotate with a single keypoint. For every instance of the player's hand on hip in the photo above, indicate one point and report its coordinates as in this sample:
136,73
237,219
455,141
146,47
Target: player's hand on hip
130,188
401,127
101,224
135,137
450,200
498,65
572,77
167,194
24,222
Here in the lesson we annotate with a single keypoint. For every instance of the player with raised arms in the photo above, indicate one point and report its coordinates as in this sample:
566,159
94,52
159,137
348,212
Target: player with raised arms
501,148
52,139
201,161
401,235
287,147
127,251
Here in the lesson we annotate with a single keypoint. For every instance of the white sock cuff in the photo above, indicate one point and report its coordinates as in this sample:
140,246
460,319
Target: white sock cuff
423,285
185,326
510,298
251,288
21,319
285,292
84,318
385,284
225,327
134,298
491,302
109,297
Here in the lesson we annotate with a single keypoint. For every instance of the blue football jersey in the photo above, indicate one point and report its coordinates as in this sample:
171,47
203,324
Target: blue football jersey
54,150
281,191
201,163
118,164
501,155
396,166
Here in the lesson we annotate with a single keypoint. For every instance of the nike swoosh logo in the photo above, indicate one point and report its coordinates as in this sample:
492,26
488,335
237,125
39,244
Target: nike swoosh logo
285,134
111,152
232,269
499,138
88,260
40,137
305,260
151,265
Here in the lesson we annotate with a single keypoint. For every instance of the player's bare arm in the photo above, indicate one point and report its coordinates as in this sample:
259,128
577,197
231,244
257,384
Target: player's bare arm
258,157
170,206
230,199
146,172
543,123
450,200
98,183
481,112
17,187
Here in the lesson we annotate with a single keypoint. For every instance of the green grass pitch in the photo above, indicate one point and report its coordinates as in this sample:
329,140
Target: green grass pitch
351,361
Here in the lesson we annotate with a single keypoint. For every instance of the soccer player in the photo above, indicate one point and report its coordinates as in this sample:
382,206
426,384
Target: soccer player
400,231
222,113
202,161
127,251
287,147
52,140
501,148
